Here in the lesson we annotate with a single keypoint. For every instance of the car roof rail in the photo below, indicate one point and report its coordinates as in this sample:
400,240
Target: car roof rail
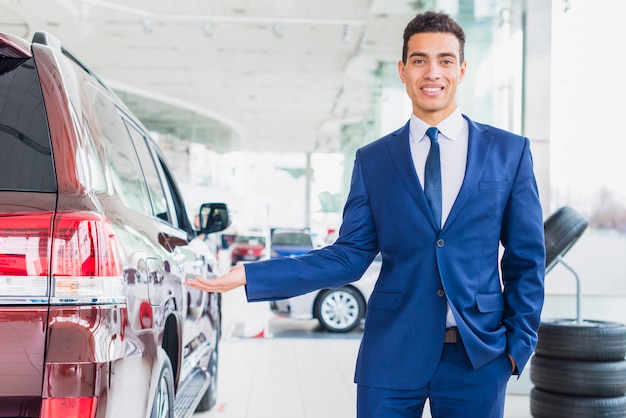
45,38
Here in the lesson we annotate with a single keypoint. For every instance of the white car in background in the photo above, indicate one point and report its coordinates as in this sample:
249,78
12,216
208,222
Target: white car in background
337,310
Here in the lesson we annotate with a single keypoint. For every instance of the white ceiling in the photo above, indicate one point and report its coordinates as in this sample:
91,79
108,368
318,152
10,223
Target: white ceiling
283,75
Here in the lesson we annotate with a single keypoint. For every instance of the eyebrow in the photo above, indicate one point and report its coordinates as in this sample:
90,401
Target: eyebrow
423,54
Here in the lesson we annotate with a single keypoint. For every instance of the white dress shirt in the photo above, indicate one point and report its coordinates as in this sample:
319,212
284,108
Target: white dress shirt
453,140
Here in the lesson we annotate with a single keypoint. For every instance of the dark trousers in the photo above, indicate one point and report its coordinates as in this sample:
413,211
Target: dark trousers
455,391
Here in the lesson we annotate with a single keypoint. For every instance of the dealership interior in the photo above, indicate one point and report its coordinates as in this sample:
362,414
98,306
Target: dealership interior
261,104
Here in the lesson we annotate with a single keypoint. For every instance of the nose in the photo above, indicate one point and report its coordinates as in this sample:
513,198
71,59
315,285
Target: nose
432,72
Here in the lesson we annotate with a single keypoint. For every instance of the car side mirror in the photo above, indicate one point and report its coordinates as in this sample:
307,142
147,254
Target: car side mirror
214,217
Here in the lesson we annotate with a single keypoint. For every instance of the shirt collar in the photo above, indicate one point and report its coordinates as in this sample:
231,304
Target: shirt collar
450,127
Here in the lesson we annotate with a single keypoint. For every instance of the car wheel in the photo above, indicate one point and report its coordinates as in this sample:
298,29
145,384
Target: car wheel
562,229
163,405
589,340
209,399
580,378
340,310
552,405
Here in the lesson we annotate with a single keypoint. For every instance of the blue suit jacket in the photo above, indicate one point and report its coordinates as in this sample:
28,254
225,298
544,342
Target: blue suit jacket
387,212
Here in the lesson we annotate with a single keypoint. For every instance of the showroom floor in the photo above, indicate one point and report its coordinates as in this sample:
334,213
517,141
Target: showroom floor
281,368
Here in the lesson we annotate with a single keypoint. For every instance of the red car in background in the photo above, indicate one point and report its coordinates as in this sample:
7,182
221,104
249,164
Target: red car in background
95,244
247,248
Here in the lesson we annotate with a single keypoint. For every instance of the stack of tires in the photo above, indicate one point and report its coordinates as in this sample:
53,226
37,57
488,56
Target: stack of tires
579,370
579,366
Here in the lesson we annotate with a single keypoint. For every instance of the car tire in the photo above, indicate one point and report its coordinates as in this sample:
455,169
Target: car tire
580,378
544,404
589,340
562,229
163,404
209,399
339,310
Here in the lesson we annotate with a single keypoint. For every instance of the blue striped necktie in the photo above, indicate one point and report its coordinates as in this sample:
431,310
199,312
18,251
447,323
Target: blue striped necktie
432,175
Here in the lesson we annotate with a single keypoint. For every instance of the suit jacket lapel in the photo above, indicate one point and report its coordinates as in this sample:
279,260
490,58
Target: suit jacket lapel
400,151
479,142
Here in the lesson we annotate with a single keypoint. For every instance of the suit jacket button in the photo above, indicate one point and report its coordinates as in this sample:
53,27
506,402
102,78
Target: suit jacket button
440,243
440,293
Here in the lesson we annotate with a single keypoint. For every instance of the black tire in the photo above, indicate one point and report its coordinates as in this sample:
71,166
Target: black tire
339,310
562,229
209,399
581,378
589,340
163,404
550,405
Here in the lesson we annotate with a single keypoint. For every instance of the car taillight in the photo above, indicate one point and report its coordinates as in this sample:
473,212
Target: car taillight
86,266
83,407
77,249
24,251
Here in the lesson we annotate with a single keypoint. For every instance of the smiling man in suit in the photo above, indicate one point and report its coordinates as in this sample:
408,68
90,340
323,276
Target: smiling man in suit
451,317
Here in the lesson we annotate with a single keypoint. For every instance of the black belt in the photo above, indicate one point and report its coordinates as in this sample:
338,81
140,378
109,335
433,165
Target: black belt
452,335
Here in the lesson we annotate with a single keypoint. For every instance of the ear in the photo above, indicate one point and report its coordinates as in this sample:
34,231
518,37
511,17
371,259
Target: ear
401,71
462,71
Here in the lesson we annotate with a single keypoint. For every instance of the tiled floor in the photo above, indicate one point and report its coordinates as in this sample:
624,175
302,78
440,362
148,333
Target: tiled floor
293,371
296,378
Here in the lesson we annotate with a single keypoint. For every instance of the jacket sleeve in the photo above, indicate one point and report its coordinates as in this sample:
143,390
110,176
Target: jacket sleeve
335,265
523,263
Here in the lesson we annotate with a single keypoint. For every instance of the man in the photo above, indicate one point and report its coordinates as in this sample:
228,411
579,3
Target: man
441,324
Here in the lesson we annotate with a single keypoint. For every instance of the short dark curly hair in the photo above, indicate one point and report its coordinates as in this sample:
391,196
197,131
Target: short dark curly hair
433,22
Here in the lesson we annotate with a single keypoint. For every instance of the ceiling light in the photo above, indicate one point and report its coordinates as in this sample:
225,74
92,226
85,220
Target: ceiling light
147,25
566,6
278,30
347,33
84,10
207,29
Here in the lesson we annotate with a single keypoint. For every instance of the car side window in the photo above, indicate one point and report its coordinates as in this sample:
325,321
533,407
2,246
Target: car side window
153,178
124,167
26,157
179,213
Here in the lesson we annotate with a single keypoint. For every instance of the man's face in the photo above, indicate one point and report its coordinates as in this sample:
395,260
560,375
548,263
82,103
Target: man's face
432,73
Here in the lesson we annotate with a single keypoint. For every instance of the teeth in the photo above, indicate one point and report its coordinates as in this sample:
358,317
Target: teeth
432,89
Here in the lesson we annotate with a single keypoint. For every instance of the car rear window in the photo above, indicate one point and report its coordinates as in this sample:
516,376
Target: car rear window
250,240
26,159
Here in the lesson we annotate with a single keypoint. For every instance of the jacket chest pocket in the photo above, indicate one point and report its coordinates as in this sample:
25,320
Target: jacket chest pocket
493,185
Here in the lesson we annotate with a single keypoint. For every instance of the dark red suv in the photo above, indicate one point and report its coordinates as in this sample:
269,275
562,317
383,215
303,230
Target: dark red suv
95,243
